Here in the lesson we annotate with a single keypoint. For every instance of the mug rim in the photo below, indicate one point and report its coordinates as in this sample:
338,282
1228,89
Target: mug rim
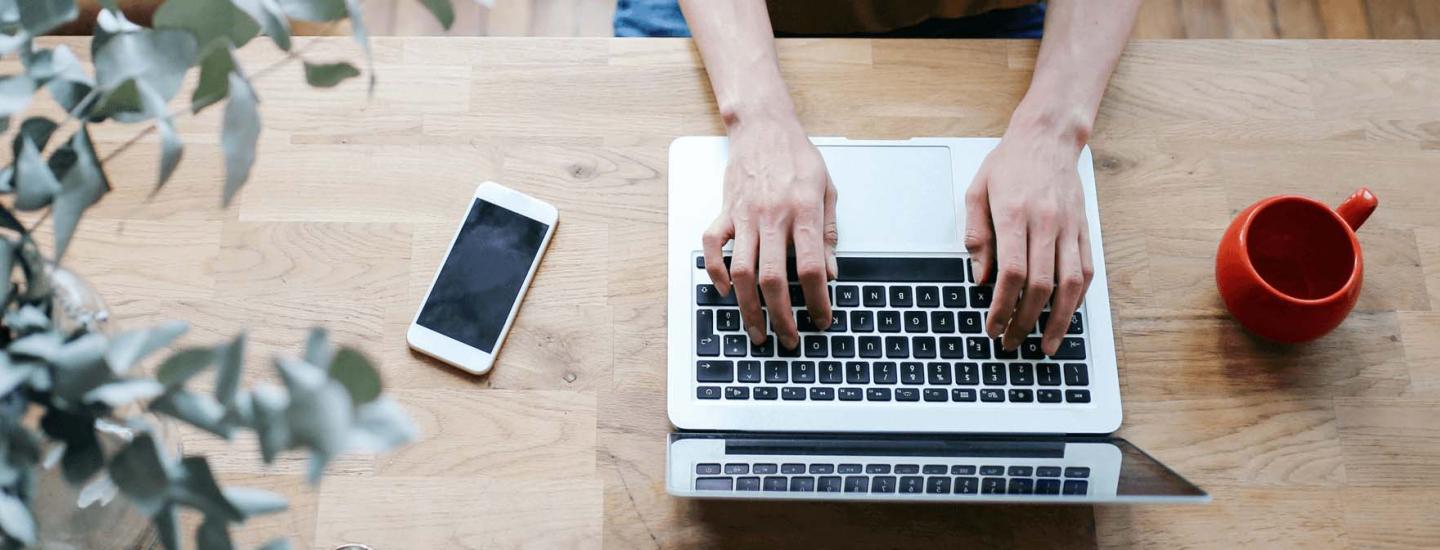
1355,268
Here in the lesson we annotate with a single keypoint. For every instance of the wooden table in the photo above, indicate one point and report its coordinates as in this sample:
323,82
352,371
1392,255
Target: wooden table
1336,443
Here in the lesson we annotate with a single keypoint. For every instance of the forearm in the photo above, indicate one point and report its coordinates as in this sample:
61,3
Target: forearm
738,48
1083,41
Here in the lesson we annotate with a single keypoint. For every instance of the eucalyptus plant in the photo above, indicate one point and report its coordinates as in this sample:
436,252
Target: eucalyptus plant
60,380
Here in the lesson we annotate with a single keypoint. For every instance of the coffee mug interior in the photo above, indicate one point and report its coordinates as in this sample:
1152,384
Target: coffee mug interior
1300,248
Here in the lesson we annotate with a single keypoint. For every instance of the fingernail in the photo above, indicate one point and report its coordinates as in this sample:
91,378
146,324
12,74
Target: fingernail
790,341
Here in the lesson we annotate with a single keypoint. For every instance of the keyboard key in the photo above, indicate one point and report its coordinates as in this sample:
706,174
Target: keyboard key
816,346
831,372
897,347
706,295
901,296
714,371
1077,326
959,470
923,347
1021,396
915,321
707,392
877,394
1019,486
803,322
907,394
737,469
1030,349
748,371
847,295
1048,374
707,469
969,322
766,349
735,345
1076,487
966,485
967,374
882,484
850,469
872,347
802,484
851,394
766,393
792,468
802,372
1076,375
707,345
993,374
962,396
737,392
877,468
857,372
927,296
822,394
1047,486
888,321
992,486
977,347
792,394
829,484
1020,471
797,296
714,484
873,295
954,296
1077,472
992,395
775,372
822,468
1077,396
912,373
935,394
912,484
842,347
776,483
862,321
1022,374
839,319
992,470
952,347
942,322
766,469
783,351
980,296
907,468
727,320
1048,471
857,484
1070,348
1002,353
1048,396
908,270
885,372
938,374
939,485
747,484
933,469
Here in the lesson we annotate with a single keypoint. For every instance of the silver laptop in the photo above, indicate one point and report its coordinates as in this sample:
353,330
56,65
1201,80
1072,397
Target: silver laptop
904,397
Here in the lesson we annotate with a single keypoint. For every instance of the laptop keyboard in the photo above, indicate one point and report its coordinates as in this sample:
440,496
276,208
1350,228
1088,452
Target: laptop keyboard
903,330
894,478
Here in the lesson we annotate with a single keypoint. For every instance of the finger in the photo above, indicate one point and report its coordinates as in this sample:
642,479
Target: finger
1039,285
713,243
1067,295
773,241
832,232
1087,269
979,236
742,272
1010,254
810,266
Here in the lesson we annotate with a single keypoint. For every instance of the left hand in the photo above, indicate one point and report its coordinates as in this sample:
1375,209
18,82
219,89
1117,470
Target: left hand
1025,221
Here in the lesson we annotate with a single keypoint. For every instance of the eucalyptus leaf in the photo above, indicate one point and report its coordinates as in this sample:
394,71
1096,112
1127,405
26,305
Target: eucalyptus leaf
9,221
15,94
80,367
321,420
41,16
124,392
215,68
82,460
314,10
15,519
37,129
26,319
142,475
159,58
167,526
317,347
12,42
43,346
380,425
362,37
300,377
231,359
353,371
170,146
277,544
7,175
198,489
123,103
327,75
109,23
442,10
239,135
178,368
13,374
255,502
35,185
100,490
213,535
7,265
58,63
271,17
199,410
207,20
128,348
80,188
270,404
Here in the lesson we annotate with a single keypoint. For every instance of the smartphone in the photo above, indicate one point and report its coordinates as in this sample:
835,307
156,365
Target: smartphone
477,291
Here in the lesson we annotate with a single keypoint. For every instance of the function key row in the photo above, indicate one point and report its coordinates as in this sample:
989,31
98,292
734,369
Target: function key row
873,296
901,394
911,373
766,468
885,484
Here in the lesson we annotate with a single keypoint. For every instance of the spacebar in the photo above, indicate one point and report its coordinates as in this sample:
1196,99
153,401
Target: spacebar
890,270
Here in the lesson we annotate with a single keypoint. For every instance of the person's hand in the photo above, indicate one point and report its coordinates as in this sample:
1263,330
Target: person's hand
777,193
1025,221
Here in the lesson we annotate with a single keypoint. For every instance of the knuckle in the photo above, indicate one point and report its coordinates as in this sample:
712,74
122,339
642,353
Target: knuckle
810,269
1013,270
771,278
713,238
1040,284
742,272
974,239
1072,281
1088,272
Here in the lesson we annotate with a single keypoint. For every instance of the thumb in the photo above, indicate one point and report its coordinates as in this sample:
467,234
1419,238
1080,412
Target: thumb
979,233
832,233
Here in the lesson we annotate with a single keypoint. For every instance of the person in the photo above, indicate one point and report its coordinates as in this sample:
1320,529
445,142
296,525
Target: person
1025,228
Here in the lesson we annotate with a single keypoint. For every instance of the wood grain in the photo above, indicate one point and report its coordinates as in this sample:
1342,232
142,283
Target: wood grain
1326,444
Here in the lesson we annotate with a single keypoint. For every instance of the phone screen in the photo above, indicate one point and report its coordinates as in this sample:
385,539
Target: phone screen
483,275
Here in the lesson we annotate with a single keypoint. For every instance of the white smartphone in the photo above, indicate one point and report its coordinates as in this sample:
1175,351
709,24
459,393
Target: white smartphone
477,291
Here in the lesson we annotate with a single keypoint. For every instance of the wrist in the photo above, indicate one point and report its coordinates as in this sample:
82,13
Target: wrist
1066,127
770,111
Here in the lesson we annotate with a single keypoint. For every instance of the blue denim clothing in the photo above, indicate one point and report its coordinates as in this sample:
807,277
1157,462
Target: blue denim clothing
662,18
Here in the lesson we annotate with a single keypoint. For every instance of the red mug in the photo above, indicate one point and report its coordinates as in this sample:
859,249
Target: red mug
1289,267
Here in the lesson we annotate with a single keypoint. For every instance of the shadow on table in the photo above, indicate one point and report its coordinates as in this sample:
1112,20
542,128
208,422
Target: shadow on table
763,524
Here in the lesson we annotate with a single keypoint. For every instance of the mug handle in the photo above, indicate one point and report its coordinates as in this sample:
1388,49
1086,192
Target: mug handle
1356,209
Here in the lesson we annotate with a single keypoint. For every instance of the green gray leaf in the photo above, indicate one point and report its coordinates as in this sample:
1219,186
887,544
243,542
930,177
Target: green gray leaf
327,75
442,10
270,17
26,319
270,404
317,347
80,187
159,58
80,367
15,94
123,103
41,16
12,42
128,348
36,186
170,146
7,265
199,410
12,375
178,368
314,10
142,475
15,519
43,346
207,20
255,502
277,544
213,534
37,129
231,359
9,221
320,420
214,85
198,489
239,135
353,371
357,29
109,23
167,525
83,459
380,425
124,392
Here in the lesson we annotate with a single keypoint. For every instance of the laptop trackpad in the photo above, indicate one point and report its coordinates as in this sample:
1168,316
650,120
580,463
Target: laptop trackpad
894,198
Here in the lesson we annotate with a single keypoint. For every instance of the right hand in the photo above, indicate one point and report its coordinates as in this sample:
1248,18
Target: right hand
777,193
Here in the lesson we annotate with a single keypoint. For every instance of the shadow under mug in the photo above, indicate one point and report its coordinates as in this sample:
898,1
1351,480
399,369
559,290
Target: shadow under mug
1289,268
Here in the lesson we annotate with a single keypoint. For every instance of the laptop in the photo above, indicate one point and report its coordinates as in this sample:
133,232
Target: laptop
903,398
